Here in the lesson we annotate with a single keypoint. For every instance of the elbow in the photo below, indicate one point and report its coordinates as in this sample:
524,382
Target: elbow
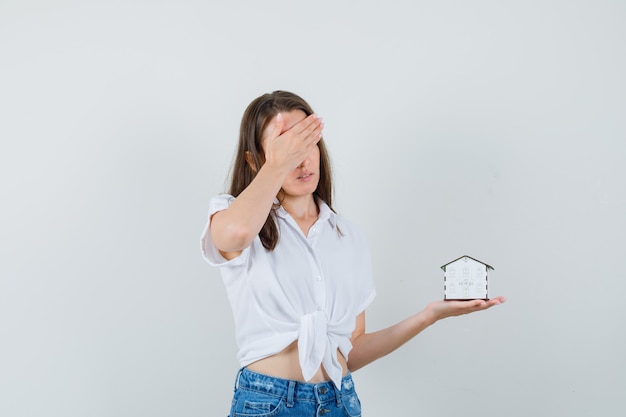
232,238
355,363
352,367
355,360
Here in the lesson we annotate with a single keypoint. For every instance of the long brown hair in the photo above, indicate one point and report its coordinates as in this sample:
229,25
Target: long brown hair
255,119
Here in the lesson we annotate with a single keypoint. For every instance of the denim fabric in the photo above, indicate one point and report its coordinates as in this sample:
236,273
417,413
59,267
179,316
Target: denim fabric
258,395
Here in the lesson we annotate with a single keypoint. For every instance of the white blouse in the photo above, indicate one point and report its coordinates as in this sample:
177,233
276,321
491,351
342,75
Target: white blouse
309,288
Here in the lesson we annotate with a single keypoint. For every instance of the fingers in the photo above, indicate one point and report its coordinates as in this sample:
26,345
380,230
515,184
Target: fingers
450,308
485,304
305,124
305,134
279,123
465,307
287,145
310,128
498,300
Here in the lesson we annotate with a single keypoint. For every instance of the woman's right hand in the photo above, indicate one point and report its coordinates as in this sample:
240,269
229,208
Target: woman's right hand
286,147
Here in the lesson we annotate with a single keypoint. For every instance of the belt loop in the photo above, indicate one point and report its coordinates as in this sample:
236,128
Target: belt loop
237,380
290,393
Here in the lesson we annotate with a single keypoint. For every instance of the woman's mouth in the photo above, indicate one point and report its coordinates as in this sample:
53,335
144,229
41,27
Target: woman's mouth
305,176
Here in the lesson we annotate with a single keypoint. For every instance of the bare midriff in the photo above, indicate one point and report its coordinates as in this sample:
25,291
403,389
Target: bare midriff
286,365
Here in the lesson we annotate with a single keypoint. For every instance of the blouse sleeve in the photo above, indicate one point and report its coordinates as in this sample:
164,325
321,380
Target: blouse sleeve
210,253
364,288
367,288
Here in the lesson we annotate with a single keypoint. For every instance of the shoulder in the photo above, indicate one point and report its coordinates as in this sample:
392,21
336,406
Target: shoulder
346,224
349,229
220,202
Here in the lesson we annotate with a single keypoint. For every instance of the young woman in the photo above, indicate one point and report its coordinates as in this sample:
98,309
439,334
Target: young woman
297,274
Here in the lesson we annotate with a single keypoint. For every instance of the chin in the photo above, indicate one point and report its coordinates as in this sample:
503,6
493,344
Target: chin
300,191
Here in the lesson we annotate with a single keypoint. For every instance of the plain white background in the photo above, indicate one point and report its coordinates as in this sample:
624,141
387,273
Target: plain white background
489,128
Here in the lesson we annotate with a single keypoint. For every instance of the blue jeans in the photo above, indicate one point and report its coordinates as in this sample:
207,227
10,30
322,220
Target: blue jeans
258,395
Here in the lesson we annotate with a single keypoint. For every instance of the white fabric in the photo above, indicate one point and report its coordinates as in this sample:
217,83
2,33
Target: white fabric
309,288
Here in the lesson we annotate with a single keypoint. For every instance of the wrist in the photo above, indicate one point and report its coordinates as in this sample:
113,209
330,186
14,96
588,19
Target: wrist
431,314
275,171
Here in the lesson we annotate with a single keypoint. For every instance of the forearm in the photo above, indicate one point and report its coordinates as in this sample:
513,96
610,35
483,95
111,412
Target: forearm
234,228
368,347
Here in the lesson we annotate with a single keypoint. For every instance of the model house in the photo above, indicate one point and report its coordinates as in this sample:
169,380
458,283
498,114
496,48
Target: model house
466,278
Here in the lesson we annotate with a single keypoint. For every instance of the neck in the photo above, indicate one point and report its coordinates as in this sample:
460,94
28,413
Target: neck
301,207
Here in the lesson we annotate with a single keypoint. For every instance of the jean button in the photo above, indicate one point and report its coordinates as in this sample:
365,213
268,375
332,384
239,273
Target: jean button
323,390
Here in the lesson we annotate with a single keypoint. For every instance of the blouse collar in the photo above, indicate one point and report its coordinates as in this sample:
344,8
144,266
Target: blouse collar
325,214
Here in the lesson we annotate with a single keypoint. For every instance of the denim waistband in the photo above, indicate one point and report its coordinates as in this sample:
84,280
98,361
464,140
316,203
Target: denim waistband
293,390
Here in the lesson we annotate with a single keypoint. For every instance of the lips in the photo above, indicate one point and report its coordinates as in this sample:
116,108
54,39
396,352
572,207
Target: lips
305,176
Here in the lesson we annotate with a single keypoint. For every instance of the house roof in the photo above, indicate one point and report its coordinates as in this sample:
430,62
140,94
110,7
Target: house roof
465,256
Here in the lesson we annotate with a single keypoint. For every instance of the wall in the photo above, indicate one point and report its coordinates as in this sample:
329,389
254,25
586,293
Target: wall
493,129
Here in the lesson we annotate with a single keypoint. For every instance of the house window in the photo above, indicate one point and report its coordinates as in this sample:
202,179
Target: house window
480,273
451,273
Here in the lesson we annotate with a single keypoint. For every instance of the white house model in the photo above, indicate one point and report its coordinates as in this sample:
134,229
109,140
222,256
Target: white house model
466,278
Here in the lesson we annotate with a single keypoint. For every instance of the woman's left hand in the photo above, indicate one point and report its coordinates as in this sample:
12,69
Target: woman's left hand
442,309
367,347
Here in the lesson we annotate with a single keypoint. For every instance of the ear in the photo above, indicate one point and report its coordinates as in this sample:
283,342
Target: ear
250,161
